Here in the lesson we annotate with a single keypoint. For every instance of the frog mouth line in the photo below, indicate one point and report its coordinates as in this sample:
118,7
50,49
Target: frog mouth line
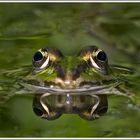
86,90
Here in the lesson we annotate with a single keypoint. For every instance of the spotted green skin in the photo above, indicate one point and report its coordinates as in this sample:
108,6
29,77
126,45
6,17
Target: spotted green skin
68,65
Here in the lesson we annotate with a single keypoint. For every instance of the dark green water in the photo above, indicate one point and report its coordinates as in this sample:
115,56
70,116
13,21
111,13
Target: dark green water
25,28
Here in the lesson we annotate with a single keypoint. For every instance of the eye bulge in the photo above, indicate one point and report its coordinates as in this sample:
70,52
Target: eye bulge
40,59
94,52
44,57
99,61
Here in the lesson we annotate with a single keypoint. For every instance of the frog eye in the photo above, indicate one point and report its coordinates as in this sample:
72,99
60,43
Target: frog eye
38,56
40,60
99,61
101,56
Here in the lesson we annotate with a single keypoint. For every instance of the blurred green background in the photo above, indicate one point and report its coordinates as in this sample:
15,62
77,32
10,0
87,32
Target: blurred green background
27,27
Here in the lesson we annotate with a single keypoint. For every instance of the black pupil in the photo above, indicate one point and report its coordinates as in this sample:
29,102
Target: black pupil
38,112
101,56
38,56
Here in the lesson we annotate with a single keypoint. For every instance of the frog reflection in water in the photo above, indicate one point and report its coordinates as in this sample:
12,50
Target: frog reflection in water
73,84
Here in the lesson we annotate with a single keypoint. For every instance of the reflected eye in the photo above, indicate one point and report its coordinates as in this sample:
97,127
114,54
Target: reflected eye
38,56
38,111
101,56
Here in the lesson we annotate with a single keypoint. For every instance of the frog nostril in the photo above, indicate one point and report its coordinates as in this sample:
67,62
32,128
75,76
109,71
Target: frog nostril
38,111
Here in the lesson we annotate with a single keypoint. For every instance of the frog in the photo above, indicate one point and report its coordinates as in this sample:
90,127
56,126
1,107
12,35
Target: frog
74,84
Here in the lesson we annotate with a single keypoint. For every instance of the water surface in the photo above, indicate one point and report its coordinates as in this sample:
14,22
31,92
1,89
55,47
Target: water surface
25,28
